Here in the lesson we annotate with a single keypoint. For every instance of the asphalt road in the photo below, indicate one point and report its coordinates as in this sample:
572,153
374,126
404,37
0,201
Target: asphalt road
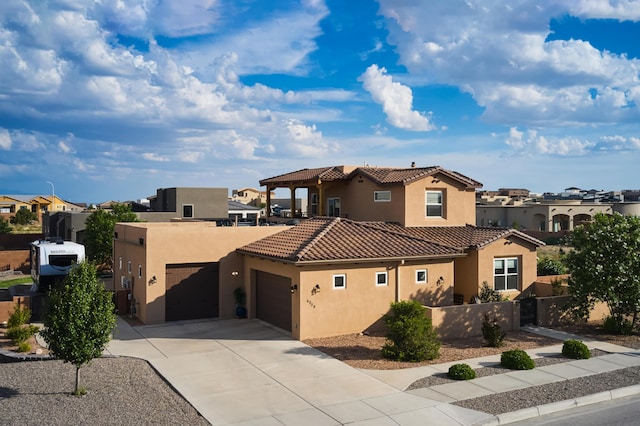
617,412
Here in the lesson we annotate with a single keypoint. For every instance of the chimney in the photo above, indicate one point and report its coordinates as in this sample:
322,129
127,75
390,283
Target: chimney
413,164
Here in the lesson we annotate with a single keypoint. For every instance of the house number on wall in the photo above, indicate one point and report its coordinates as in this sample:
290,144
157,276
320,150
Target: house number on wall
310,303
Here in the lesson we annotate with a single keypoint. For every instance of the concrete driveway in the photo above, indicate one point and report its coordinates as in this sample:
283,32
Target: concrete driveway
248,372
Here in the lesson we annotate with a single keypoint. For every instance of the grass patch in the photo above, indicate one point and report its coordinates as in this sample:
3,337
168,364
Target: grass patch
15,281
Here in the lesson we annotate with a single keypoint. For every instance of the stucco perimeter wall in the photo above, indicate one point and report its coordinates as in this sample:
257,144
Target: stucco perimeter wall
15,260
459,204
8,306
550,310
176,243
454,322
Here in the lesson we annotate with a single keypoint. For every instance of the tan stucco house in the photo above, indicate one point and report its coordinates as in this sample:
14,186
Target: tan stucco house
376,235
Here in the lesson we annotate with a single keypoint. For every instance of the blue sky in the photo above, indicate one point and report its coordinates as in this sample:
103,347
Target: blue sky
113,99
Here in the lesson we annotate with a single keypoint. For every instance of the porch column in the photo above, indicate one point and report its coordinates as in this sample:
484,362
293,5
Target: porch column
293,201
268,208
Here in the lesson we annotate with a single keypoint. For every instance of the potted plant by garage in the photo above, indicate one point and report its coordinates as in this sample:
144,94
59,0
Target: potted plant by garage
240,295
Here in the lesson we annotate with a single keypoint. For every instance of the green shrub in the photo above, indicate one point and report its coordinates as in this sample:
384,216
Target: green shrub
461,372
516,359
21,334
492,332
410,335
575,349
24,347
19,316
488,294
548,266
617,325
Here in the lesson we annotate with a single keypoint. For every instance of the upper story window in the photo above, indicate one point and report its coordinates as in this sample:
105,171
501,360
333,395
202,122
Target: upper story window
505,274
187,210
433,203
382,196
381,278
340,281
333,207
314,203
129,267
421,276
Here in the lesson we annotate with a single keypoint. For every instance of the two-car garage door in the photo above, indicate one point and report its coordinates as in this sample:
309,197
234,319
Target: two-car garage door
192,291
273,299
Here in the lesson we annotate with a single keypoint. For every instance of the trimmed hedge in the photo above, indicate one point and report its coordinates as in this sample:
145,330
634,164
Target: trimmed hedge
575,349
461,372
516,359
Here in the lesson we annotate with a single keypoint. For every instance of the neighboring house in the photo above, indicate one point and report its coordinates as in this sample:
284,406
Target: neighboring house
244,212
380,235
545,216
192,203
38,204
250,196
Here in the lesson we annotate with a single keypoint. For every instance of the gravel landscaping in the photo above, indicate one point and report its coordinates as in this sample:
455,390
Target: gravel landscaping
126,390
120,391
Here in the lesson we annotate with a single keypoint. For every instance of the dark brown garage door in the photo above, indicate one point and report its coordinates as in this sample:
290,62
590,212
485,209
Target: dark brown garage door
192,291
273,299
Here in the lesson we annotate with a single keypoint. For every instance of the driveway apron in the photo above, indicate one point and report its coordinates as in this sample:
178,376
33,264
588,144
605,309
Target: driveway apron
248,372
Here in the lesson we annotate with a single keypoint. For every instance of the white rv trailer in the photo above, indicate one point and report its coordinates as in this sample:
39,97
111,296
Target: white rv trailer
52,259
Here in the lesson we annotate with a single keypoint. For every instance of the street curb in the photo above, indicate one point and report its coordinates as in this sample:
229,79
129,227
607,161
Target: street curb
554,407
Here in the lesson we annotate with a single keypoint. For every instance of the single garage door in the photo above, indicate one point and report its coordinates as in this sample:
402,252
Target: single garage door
192,291
273,299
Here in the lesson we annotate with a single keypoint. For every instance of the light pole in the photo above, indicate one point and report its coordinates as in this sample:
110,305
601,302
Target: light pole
53,196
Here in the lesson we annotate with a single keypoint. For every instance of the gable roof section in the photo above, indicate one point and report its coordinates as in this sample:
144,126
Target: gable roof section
323,239
379,175
468,237
382,175
306,175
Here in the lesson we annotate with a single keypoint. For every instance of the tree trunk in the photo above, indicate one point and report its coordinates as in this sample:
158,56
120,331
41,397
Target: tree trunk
77,379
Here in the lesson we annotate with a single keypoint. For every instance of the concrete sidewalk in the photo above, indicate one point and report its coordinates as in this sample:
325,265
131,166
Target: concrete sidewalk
248,372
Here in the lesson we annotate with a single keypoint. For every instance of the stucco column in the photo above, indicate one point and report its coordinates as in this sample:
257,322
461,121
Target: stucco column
293,201
268,208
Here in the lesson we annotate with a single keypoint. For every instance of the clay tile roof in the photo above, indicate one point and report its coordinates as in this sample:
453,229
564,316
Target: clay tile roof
465,237
305,175
323,239
380,175
390,175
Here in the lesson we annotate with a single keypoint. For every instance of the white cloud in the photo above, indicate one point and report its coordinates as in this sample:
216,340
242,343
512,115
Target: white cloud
500,55
154,157
5,139
396,100
530,142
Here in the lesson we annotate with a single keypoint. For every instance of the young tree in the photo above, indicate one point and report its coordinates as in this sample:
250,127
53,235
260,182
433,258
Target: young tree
5,228
23,217
605,267
79,318
99,232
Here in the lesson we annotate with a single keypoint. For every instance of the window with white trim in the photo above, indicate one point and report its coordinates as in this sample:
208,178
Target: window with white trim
381,196
187,210
139,271
505,274
340,281
381,279
433,201
333,207
129,267
120,263
421,276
